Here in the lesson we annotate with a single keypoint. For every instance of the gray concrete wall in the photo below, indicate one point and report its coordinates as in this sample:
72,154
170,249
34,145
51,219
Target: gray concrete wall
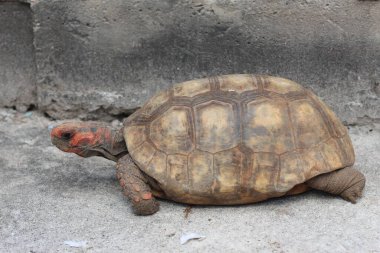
17,66
105,57
96,58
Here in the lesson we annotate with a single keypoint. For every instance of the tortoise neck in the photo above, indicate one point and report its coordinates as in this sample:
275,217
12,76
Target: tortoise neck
115,144
111,145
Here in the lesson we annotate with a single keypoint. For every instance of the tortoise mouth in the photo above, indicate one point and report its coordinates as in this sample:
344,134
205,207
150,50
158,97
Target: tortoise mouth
63,145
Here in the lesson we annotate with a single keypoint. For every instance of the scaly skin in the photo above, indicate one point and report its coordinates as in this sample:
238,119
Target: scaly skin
89,139
97,139
136,187
347,183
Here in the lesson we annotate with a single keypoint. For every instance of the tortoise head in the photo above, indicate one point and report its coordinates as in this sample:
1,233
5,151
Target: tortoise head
89,139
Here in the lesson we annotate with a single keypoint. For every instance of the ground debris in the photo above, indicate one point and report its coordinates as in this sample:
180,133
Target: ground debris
187,211
76,244
191,236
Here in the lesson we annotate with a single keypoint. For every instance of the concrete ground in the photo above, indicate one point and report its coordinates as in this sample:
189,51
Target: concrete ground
48,197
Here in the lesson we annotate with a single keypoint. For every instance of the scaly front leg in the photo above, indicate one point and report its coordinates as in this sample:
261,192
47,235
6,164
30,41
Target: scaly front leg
135,187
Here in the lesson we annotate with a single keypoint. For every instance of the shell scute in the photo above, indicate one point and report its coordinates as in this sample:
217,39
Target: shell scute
192,88
238,83
157,167
281,85
292,171
227,165
177,174
200,168
216,126
267,127
265,167
169,139
134,136
309,126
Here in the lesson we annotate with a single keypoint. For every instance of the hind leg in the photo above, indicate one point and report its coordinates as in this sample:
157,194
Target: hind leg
135,186
347,183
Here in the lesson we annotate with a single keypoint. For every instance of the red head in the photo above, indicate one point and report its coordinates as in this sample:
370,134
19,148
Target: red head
89,139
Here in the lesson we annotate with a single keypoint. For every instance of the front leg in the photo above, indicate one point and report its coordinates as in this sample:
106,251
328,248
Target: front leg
135,187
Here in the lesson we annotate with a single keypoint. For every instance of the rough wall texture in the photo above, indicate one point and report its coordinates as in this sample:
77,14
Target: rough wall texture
17,66
97,57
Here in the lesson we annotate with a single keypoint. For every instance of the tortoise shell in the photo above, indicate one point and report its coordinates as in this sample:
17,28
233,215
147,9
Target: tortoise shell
235,139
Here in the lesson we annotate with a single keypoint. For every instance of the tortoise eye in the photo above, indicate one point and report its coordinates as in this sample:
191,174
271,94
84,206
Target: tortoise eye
66,136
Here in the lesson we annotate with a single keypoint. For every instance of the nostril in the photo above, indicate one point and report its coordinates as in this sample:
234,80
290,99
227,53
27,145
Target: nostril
66,136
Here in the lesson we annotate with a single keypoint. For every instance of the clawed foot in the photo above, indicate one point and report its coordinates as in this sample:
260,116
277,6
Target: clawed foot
145,206
353,193
136,187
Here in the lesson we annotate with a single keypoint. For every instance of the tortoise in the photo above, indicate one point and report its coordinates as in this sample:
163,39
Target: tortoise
224,140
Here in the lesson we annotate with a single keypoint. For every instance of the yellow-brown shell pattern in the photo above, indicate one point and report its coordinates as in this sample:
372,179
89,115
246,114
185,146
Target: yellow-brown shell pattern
236,139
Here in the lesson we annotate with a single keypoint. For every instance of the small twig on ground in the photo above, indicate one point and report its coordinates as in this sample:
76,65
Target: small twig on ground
187,211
